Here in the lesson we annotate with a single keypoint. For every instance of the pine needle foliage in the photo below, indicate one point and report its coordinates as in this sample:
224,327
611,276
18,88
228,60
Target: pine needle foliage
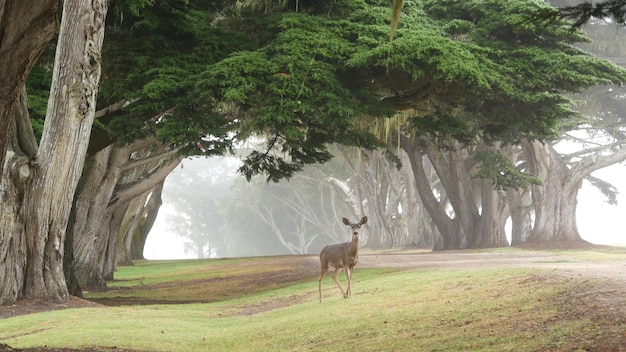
305,74
152,57
497,167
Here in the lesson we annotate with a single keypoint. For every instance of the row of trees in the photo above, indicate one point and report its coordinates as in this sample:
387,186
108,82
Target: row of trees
181,78
601,147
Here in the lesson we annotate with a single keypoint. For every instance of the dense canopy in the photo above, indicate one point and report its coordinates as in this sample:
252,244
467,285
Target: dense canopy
303,74
466,70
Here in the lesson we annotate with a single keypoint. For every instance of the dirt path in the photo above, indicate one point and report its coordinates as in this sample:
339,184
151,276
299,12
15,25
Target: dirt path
561,264
611,271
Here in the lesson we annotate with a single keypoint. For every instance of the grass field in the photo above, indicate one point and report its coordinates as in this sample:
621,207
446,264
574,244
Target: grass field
250,305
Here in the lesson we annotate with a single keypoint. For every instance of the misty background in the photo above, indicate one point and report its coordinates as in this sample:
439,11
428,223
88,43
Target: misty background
211,211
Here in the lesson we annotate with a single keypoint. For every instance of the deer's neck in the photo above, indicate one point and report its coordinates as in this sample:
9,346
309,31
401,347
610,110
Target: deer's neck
354,245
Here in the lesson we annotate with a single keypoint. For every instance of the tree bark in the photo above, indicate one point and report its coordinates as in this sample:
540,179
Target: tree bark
480,211
555,202
92,199
114,178
139,222
418,223
494,213
520,205
455,179
451,235
64,143
25,30
12,188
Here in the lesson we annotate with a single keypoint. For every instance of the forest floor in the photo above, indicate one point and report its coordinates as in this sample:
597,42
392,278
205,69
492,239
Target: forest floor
605,299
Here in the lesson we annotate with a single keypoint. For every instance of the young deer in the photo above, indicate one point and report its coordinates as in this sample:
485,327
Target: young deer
341,256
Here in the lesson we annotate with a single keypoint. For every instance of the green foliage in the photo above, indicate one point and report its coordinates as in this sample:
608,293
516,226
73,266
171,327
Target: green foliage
497,167
495,71
153,58
38,90
293,92
314,72
445,128
538,64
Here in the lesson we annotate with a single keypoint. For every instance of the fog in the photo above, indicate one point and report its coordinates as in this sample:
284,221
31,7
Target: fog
598,221
206,201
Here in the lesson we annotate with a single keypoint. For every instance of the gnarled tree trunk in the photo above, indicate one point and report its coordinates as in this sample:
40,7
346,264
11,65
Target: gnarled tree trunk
61,155
137,224
42,184
25,30
480,211
555,202
115,176
520,205
494,212
12,187
450,230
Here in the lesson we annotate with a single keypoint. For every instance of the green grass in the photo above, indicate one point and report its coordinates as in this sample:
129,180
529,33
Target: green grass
391,310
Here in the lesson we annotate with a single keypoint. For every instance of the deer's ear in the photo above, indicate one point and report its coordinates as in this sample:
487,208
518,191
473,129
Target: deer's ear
364,220
346,221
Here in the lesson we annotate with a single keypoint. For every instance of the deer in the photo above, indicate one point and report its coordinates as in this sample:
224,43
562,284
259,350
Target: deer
341,256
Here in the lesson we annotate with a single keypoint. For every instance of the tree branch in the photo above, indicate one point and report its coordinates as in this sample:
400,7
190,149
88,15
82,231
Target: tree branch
114,107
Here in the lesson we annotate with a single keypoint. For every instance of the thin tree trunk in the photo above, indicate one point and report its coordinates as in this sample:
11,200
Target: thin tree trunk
139,238
108,262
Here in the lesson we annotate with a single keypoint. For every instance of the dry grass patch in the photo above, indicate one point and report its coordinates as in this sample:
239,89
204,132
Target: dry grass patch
175,282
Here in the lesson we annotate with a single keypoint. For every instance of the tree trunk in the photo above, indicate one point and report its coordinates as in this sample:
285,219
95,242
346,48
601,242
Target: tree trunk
137,224
451,235
455,179
69,117
555,201
92,199
520,205
139,238
418,227
115,176
25,30
469,227
108,261
494,213
12,188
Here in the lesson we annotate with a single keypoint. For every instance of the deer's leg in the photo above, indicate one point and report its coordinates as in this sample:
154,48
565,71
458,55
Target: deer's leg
349,278
319,279
337,270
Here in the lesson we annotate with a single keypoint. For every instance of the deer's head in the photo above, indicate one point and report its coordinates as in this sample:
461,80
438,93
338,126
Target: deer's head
356,228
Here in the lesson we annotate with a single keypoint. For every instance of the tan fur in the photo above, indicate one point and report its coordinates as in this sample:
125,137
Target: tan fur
341,256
